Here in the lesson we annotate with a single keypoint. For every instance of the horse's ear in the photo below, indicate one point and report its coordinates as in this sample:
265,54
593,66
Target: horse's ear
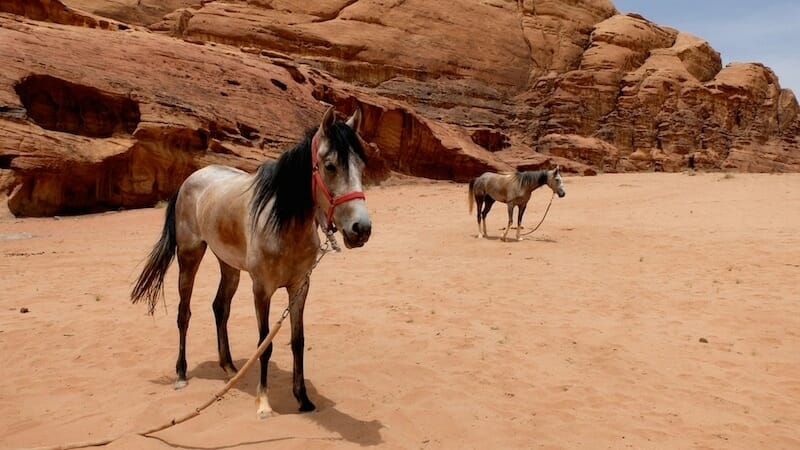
558,168
354,121
327,121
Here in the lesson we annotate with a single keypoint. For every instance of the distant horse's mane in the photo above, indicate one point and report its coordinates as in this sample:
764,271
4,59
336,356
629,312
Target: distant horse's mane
288,180
530,178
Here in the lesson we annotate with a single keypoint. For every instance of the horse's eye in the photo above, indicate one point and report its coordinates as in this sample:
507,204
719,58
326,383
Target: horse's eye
330,167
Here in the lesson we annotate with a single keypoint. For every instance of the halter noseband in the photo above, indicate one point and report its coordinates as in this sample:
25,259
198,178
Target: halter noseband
316,182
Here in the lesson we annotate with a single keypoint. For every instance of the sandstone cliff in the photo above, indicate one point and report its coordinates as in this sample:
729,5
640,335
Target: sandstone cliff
107,104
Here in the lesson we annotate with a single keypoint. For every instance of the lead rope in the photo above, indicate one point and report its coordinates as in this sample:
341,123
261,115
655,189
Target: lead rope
330,246
545,215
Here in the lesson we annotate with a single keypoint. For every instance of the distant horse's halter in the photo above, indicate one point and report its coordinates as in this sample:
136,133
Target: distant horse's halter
316,181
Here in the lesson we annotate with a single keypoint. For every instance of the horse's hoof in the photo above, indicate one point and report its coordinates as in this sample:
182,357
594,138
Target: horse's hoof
307,406
265,414
180,384
230,371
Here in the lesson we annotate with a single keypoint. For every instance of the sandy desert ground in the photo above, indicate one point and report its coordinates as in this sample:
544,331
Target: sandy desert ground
649,311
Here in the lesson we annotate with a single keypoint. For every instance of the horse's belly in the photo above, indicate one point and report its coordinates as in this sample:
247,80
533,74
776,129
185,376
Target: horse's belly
231,255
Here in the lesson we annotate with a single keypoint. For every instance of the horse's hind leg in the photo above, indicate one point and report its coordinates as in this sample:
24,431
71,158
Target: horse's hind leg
297,299
228,283
188,263
510,219
479,204
486,208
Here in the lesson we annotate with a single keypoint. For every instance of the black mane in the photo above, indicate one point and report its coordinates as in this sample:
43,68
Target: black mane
533,179
288,180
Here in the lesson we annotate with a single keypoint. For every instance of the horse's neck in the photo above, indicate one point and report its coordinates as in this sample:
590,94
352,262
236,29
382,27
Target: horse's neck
534,180
281,192
305,231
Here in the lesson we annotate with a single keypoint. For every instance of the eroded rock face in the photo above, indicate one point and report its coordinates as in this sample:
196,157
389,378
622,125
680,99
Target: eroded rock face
538,68
85,132
448,90
60,105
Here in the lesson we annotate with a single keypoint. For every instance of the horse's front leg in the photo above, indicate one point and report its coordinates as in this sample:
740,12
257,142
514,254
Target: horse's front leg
297,303
519,218
261,296
510,219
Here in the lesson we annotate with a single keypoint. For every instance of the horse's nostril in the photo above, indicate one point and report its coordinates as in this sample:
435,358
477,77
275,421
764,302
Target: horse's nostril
362,229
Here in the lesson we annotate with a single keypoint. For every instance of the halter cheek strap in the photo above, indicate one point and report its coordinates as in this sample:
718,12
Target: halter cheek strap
317,183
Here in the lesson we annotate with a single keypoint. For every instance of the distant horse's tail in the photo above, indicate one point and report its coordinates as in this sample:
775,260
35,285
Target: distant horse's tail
471,196
150,284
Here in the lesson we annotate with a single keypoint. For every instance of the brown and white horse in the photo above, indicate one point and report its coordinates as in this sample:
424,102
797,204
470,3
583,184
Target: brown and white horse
265,224
513,189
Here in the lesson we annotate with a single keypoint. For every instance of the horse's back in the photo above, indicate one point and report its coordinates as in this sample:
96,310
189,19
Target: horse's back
210,175
208,186
478,184
213,207
492,184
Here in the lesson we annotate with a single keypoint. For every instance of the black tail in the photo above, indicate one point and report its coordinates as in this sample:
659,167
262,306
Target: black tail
150,284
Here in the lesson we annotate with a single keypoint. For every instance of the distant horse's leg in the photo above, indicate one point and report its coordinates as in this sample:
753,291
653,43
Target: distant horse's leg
297,297
510,216
188,262
519,218
479,203
486,208
228,283
261,296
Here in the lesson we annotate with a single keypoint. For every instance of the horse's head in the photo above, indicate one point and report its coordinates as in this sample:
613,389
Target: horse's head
555,182
339,161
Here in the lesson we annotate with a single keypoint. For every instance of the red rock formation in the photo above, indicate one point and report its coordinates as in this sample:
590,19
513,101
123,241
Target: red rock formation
449,89
658,97
85,132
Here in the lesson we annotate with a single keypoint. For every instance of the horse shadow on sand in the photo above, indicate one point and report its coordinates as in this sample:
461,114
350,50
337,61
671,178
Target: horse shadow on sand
362,432
511,240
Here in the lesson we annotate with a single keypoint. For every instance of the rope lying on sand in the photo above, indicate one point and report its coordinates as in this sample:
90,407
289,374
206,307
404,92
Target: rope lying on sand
545,215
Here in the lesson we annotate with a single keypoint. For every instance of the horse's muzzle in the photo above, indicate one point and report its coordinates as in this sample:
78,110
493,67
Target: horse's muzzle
358,234
561,194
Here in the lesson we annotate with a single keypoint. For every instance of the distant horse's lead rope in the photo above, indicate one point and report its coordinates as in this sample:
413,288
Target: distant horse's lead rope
330,245
545,215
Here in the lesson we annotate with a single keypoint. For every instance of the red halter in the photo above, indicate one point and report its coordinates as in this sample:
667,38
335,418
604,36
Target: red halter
316,181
